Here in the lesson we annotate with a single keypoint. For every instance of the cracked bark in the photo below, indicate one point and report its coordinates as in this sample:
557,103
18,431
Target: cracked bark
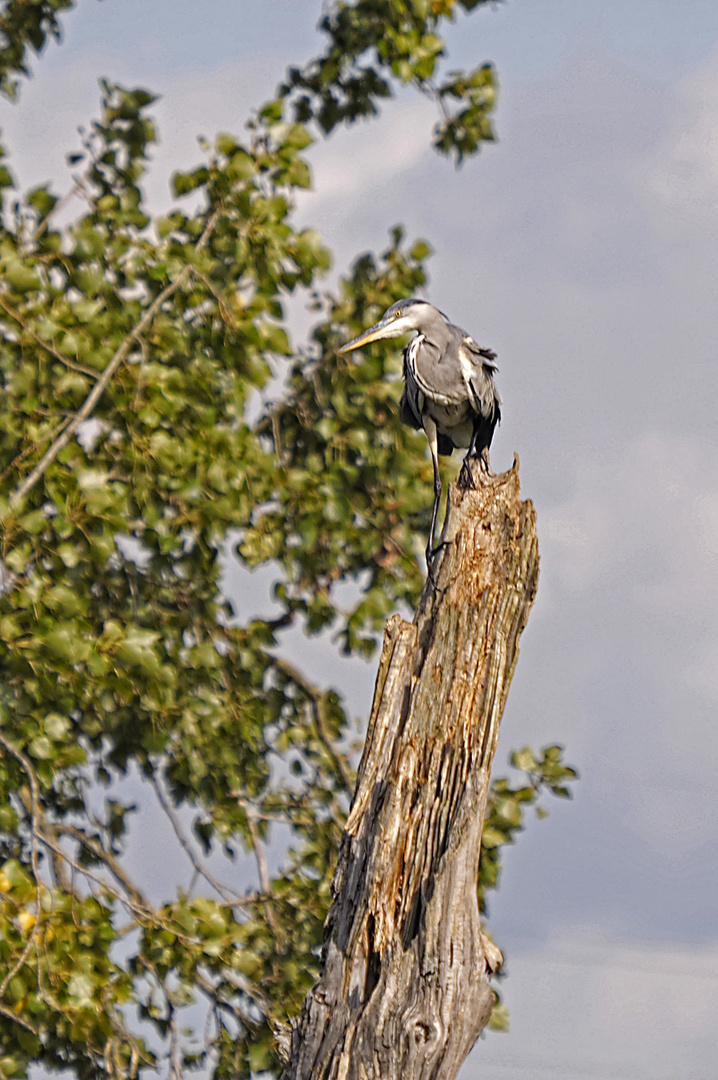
404,991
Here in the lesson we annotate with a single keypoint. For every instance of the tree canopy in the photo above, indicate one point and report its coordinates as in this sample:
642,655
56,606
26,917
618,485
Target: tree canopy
133,351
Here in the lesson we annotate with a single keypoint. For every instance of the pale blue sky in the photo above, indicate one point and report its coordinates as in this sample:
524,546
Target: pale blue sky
583,247
157,38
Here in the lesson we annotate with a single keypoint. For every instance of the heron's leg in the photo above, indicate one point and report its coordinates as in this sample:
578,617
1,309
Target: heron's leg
474,452
430,429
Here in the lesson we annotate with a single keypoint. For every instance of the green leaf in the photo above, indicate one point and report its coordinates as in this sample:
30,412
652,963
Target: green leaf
184,183
14,877
56,726
69,555
42,748
137,648
67,641
42,200
22,277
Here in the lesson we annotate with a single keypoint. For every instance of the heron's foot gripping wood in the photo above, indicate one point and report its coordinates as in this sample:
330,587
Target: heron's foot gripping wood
466,479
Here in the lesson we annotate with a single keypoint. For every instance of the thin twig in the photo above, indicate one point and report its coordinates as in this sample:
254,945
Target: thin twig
132,898
103,855
34,857
44,344
144,914
36,816
76,189
10,975
219,1002
239,982
140,373
16,967
273,817
221,303
135,1059
277,436
319,713
258,852
262,872
17,1019
142,910
128,928
429,88
120,355
226,894
32,448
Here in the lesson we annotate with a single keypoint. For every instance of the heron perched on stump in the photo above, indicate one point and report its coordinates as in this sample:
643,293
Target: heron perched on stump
449,387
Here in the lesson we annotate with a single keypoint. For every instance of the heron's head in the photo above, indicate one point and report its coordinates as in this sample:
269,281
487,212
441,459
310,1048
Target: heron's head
401,318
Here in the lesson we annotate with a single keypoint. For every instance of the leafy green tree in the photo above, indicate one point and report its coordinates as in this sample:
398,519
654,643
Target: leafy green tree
132,350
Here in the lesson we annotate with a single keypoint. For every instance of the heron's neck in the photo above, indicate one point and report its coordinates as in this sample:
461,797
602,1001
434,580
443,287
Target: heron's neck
437,335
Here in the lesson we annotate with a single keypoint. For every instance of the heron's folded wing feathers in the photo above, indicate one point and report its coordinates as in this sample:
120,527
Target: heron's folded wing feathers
407,415
485,356
477,367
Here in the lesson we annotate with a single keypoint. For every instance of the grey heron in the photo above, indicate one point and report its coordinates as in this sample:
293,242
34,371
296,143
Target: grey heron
449,386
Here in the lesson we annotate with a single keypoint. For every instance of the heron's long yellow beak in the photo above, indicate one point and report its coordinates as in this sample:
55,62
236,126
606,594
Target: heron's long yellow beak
374,333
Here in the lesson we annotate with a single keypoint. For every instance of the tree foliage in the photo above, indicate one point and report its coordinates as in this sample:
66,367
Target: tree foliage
23,24
372,42
133,352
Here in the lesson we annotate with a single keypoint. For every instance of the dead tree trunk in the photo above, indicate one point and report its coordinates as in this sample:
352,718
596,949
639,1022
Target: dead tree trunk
404,990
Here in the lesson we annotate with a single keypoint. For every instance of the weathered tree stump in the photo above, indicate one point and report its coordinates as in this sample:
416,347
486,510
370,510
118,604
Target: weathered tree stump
404,990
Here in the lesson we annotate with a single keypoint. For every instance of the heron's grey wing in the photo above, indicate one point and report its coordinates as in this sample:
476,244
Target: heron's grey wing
478,366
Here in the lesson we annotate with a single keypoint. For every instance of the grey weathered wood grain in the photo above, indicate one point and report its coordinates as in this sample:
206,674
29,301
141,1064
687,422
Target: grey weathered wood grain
404,991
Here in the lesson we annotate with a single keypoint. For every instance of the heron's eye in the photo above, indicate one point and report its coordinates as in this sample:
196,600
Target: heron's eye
397,314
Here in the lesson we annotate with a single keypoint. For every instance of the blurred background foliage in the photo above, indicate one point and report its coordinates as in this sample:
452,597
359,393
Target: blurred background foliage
134,351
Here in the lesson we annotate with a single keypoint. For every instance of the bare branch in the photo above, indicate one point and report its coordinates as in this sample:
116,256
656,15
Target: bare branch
16,967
